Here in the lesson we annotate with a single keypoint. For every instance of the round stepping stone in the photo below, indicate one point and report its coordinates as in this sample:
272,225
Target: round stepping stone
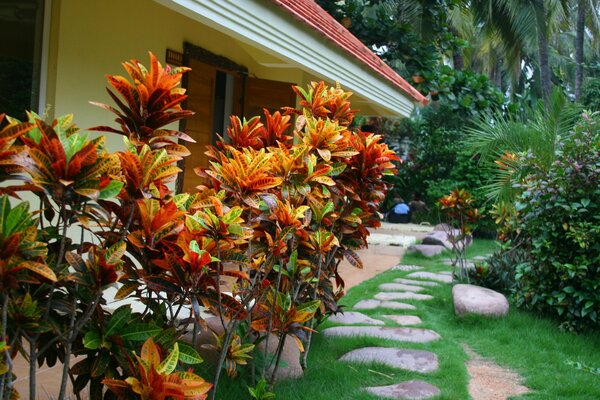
413,335
471,299
404,319
400,287
410,360
372,304
385,296
415,282
444,278
406,268
353,317
414,390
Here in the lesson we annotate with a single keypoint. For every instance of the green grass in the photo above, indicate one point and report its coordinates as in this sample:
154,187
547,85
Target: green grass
527,343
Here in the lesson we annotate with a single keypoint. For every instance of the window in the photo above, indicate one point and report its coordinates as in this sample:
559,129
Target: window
21,24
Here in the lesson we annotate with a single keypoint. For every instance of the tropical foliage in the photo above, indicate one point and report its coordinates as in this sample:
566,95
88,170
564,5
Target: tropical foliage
257,247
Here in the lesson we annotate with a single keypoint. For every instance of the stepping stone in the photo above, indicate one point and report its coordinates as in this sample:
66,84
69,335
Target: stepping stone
413,335
406,268
480,258
372,304
410,360
449,273
427,250
471,299
353,317
415,282
385,296
432,276
404,319
414,390
400,287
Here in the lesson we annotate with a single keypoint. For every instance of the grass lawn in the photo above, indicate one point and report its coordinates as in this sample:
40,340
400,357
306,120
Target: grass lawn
527,343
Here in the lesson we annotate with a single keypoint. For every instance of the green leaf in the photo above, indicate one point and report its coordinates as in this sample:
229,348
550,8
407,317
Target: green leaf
92,340
118,320
100,364
232,215
139,332
115,253
188,355
111,190
170,363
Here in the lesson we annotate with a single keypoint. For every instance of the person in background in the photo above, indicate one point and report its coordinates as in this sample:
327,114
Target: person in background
400,213
417,205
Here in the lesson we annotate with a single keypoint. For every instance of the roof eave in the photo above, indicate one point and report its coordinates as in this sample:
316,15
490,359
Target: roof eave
269,28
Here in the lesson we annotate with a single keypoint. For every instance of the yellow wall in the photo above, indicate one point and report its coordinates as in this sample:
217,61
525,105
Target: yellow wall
90,38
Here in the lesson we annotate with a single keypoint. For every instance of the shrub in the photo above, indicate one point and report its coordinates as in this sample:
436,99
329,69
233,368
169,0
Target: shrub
277,217
498,271
559,221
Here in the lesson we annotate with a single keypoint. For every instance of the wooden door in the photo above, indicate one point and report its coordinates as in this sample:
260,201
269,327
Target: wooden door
201,94
264,93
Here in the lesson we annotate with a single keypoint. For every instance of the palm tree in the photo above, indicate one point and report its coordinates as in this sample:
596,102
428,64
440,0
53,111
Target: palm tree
500,139
587,17
520,23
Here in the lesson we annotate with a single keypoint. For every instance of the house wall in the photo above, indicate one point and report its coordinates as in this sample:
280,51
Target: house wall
91,38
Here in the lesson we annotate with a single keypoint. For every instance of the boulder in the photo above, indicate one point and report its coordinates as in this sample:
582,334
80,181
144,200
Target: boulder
289,365
426,249
445,238
442,227
471,299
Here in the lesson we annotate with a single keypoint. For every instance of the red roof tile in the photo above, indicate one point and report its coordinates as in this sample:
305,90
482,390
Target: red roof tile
309,12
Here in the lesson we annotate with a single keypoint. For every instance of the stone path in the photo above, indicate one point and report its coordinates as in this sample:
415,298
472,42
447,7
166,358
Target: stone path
410,360
439,277
390,287
386,296
392,305
405,332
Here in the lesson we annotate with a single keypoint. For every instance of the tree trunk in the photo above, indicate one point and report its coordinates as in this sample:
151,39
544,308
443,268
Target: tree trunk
542,31
581,7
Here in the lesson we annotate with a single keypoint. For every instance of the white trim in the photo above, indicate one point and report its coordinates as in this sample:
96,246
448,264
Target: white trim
263,25
44,56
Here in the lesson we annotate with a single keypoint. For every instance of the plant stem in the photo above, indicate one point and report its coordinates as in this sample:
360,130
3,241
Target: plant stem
32,368
304,357
6,354
277,361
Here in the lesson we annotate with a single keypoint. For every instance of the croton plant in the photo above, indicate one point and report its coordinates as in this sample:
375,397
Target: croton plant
280,208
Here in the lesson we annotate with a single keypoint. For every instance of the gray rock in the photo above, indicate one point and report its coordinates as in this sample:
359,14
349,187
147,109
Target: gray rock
438,237
413,390
471,299
385,296
431,276
447,239
404,319
413,335
400,287
372,304
415,282
353,317
406,268
289,365
426,249
410,360
442,228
